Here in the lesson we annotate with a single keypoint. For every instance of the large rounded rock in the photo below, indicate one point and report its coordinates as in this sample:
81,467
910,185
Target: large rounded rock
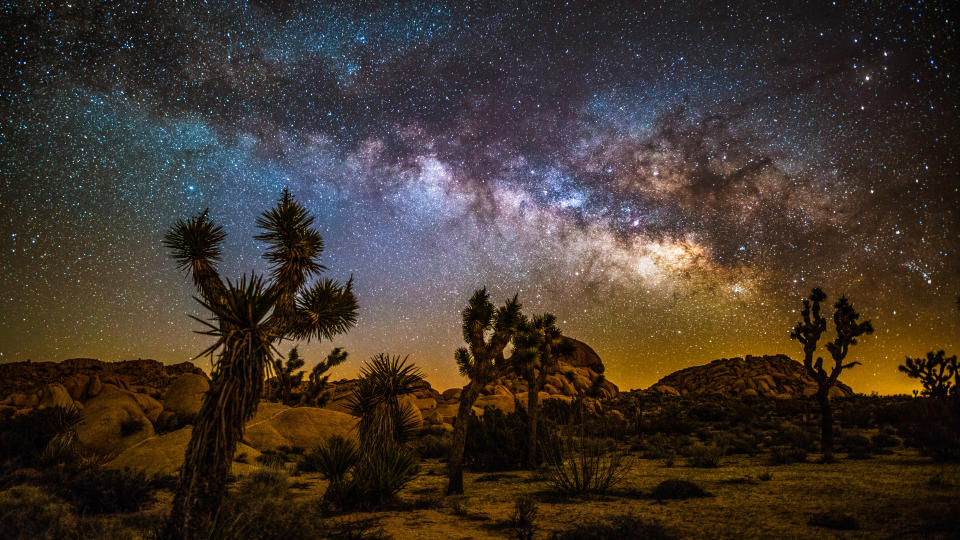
500,401
55,395
775,376
185,395
106,419
452,394
164,454
276,425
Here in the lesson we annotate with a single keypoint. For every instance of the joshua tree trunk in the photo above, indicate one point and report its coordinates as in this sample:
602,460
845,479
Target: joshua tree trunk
229,403
533,415
467,398
826,424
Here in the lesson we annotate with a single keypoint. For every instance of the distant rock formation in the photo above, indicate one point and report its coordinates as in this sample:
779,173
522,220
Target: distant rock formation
83,378
775,376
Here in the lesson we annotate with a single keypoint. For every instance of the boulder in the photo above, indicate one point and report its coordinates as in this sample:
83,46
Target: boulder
55,395
163,455
95,386
276,425
23,401
776,376
500,401
451,394
104,418
150,406
185,394
76,386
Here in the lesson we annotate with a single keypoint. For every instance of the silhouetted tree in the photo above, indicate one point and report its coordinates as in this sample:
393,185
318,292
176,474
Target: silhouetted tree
248,318
287,376
808,332
536,349
317,394
487,331
936,373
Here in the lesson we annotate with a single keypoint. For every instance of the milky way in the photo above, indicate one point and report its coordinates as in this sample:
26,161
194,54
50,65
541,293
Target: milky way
669,180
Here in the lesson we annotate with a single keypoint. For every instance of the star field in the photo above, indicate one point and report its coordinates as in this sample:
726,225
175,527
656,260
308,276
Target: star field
668,179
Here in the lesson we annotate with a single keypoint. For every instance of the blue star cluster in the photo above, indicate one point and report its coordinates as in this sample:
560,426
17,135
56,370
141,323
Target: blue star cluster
668,178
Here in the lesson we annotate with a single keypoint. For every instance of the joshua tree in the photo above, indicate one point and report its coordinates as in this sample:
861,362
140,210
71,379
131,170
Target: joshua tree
317,394
487,331
287,376
936,373
249,317
808,332
536,347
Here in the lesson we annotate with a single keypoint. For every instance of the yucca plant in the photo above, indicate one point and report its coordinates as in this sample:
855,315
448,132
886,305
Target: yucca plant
487,331
377,401
248,318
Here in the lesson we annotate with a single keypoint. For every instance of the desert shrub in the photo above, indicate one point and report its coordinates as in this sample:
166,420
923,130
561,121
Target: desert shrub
24,438
788,434
883,440
380,476
708,411
105,491
677,489
363,480
265,483
765,476
834,520
333,459
279,457
785,455
857,446
433,446
934,427
660,445
622,527
704,455
523,520
670,419
738,442
26,512
581,464
497,441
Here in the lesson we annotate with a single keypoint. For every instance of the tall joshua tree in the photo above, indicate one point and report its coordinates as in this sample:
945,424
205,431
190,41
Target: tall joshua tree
535,351
808,332
248,318
487,331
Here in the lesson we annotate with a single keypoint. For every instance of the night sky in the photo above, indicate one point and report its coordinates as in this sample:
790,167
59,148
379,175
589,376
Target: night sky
669,180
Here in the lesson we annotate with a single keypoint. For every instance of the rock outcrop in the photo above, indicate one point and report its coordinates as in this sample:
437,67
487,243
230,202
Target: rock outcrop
576,375
775,376
83,378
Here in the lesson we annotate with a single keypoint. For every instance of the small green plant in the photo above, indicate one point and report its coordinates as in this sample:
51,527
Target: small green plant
677,489
523,520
